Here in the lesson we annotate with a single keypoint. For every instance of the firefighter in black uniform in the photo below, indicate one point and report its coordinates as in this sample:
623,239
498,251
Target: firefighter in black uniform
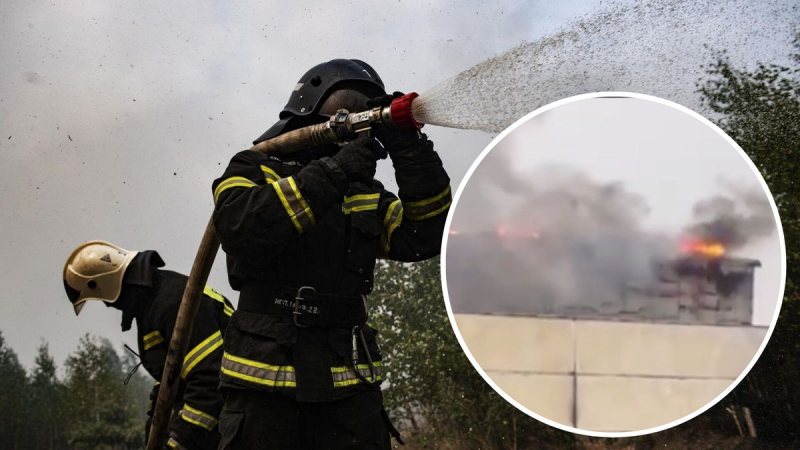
133,283
302,232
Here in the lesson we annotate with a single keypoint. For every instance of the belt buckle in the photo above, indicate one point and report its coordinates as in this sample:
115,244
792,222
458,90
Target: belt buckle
297,299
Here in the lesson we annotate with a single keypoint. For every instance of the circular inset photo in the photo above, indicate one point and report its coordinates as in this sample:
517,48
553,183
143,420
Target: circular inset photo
614,264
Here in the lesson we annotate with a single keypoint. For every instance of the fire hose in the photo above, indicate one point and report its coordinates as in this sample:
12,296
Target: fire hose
343,126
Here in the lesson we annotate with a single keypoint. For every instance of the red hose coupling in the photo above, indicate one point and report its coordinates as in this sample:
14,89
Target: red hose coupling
402,117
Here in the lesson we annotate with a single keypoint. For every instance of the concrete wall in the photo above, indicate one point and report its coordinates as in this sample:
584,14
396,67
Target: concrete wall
605,375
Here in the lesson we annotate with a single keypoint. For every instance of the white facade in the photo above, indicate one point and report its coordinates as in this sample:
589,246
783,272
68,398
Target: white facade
609,375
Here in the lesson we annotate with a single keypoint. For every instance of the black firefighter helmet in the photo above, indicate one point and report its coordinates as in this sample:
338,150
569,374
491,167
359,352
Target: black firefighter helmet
316,85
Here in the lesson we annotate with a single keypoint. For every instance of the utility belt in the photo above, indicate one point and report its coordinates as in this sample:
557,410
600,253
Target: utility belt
308,308
304,306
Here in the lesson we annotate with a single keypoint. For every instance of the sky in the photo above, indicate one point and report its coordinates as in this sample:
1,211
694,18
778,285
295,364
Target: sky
115,117
665,157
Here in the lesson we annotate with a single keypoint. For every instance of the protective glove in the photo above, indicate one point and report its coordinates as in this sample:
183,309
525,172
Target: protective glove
392,139
358,158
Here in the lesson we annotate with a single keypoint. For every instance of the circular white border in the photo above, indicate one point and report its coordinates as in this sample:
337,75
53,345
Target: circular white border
443,265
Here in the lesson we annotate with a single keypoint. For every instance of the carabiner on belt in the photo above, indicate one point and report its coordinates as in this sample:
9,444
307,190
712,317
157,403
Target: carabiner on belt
373,375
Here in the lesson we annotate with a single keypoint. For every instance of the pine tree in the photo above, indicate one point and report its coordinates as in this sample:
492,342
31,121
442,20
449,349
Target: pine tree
47,396
14,405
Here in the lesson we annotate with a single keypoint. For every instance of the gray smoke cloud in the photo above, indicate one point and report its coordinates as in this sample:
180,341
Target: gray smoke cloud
735,219
554,239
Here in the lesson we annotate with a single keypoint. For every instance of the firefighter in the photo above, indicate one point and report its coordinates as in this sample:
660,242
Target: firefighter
134,283
302,232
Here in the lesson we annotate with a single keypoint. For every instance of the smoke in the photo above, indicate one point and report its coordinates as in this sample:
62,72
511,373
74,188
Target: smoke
739,217
571,242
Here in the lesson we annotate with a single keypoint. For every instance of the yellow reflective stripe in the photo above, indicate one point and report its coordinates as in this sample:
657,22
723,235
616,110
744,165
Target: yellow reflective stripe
344,376
151,335
300,198
288,208
354,198
295,205
202,350
430,207
253,379
270,175
231,183
197,417
359,208
257,364
172,443
428,201
361,202
432,213
150,340
209,291
392,220
256,372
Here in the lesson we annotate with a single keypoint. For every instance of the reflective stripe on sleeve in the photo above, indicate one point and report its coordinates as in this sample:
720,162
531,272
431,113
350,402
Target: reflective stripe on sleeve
294,203
197,417
430,207
346,376
150,340
232,182
257,372
392,220
172,443
270,175
209,291
361,202
202,350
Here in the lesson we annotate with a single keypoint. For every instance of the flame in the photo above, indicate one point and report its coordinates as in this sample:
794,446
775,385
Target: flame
515,232
705,248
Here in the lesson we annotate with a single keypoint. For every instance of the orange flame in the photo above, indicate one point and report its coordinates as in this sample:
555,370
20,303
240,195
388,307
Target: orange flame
703,248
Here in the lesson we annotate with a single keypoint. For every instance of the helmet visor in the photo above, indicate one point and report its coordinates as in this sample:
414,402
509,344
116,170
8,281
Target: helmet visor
74,298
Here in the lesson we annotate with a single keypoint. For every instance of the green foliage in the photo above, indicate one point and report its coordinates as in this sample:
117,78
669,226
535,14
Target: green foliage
434,393
98,412
46,402
760,110
14,416
89,409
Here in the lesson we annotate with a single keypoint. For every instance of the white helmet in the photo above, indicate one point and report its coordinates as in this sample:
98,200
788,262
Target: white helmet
94,271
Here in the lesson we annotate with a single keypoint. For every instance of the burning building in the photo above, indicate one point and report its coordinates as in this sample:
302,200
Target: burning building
696,289
699,284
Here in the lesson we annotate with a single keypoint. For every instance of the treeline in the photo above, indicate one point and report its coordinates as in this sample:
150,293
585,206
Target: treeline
88,408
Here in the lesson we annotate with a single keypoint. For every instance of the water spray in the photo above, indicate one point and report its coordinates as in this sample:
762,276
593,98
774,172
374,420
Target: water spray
344,126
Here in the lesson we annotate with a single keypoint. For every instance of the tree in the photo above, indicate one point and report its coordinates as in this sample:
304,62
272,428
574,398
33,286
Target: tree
760,110
47,396
14,413
100,413
434,393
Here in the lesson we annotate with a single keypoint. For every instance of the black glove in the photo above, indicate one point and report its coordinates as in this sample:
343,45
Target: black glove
358,158
392,139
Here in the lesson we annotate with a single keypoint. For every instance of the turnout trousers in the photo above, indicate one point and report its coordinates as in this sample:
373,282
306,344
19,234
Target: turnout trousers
253,420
